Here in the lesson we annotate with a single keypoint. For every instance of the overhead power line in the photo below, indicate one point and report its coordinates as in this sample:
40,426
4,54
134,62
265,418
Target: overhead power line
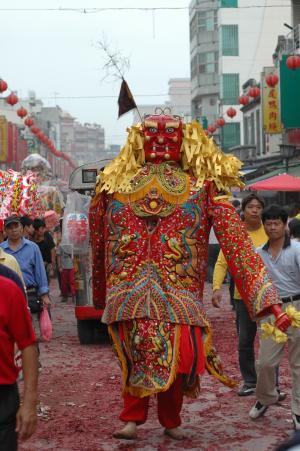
107,9
104,97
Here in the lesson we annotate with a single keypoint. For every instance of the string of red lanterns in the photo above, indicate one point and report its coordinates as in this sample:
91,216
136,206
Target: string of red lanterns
12,100
292,62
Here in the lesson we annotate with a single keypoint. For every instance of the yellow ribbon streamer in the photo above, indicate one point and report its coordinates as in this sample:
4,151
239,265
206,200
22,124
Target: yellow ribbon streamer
199,154
271,331
294,316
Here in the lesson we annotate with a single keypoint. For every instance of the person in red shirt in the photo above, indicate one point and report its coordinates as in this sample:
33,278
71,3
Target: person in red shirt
16,328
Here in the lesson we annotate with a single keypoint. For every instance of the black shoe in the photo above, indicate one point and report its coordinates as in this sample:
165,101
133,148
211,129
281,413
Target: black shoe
296,421
257,410
281,395
246,390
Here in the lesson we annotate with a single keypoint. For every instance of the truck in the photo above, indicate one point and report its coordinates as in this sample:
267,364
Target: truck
83,180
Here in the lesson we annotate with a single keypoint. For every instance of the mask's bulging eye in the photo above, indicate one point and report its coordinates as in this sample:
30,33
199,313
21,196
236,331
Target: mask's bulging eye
152,129
170,129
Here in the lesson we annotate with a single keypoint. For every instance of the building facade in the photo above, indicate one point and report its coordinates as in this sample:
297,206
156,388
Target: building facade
295,12
204,58
230,42
88,144
83,143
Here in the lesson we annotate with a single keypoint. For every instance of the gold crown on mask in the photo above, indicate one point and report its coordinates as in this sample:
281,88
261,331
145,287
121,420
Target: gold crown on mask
199,155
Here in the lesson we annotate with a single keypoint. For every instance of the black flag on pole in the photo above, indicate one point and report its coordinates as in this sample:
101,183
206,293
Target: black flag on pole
126,101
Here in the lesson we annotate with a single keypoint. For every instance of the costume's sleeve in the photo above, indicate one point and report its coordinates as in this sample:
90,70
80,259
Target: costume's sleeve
220,271
96,220
245,265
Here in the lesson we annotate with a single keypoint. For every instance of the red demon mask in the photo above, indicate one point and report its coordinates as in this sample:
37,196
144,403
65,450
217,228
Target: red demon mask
163,138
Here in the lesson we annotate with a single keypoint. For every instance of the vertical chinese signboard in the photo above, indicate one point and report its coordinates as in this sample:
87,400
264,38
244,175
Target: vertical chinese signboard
271,105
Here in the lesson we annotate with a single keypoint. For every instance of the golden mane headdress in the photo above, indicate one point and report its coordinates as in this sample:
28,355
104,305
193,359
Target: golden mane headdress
200,155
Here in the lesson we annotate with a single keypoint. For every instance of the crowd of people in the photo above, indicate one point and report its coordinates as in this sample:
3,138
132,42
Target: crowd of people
275,236
29,256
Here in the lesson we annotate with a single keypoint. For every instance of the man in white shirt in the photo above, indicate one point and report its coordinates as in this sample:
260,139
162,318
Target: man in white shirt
281,256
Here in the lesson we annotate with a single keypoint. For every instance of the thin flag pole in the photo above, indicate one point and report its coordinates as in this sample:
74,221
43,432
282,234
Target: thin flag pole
124,85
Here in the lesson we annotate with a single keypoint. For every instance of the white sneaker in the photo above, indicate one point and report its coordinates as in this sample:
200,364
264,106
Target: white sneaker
257,410
296,421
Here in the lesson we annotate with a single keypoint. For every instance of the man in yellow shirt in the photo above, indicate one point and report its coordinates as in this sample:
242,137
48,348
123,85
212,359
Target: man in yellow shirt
252,207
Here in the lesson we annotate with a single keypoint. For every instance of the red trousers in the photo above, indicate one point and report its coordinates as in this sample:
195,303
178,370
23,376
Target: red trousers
67,282
169,405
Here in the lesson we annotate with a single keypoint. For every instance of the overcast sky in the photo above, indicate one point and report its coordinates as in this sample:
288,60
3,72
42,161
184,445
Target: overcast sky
55,54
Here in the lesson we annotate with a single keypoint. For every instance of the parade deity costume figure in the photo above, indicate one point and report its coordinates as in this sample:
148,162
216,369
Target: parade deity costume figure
150,222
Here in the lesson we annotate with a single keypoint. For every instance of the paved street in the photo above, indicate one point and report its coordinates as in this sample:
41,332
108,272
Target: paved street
79,398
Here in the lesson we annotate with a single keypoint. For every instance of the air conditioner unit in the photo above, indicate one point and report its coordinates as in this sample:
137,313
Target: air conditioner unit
297,38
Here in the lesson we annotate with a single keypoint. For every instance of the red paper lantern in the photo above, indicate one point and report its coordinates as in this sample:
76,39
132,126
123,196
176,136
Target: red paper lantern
3,86
44,139
211,128
231,112
35,130
12,99
293,62
244,100
254,92
221,122
29,121
272,80
22,112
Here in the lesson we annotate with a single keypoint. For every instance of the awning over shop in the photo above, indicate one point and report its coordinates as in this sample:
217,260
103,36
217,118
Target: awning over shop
292,170
282,182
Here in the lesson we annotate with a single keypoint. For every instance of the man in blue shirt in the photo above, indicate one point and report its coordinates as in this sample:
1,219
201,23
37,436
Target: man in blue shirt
28,256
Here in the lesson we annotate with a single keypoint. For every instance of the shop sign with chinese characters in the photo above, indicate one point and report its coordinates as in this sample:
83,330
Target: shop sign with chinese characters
271,108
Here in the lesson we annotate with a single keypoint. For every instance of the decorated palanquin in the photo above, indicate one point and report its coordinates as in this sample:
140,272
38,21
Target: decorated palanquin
19,195
150,222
